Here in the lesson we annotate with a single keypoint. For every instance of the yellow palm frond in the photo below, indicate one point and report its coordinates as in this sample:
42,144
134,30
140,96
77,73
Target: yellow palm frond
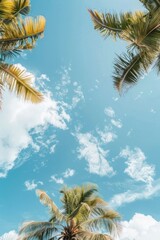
10,9
18,35
20,82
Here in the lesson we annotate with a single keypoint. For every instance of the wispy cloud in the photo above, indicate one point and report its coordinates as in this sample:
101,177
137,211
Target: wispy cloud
137,167
116,123
56,179
90,150
68,173
31,185
109,112
140,172
107,135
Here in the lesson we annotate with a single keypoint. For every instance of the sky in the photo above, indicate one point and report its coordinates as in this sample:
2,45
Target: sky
83,131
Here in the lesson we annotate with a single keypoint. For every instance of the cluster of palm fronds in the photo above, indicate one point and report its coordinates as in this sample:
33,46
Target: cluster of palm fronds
18,33
83,216
142,31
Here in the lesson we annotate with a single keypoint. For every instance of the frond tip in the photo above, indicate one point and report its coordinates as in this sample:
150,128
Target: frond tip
20,82
129,68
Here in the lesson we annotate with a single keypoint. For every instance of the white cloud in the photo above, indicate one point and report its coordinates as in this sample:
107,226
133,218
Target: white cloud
141,227
93,153
109,112
107,136
18,118
12,235
79,96
68,173
57,180
31,185
142,192
137,168
116,123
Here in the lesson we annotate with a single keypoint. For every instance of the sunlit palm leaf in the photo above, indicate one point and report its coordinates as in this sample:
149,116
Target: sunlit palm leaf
19,81
47,201
18,35
21,7
10,9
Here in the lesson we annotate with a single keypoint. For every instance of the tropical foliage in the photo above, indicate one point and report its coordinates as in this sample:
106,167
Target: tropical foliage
18,33
142,32
84,216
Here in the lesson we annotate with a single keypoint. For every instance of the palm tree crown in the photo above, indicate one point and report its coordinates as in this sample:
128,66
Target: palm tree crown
142,31
83,216
18,33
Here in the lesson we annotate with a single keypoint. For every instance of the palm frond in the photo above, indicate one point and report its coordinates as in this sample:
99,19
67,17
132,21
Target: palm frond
81,213
86,235
19,35
108,24
47,201
73,197
129,68
157,64
19,81
103,219
151,5
38,230
6,8
21,7
10,9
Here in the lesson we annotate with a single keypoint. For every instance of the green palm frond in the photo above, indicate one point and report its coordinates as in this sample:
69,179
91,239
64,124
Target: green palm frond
73,197
129,68
151,4
19,35
157,64
103,219
19,81
109,24
81,213
36,230
10,9
47,201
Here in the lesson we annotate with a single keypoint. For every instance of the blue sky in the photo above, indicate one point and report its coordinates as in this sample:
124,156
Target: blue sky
83,131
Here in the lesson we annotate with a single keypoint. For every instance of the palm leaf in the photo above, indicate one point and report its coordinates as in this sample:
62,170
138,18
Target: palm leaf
86,235
157,64
129,68
47,201
151,4
21,7
81,213
38,230
103,219
9,9
19,81
107,24
18,35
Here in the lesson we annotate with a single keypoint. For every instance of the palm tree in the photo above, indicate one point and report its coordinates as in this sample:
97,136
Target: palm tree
142,31
83,216
18,33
